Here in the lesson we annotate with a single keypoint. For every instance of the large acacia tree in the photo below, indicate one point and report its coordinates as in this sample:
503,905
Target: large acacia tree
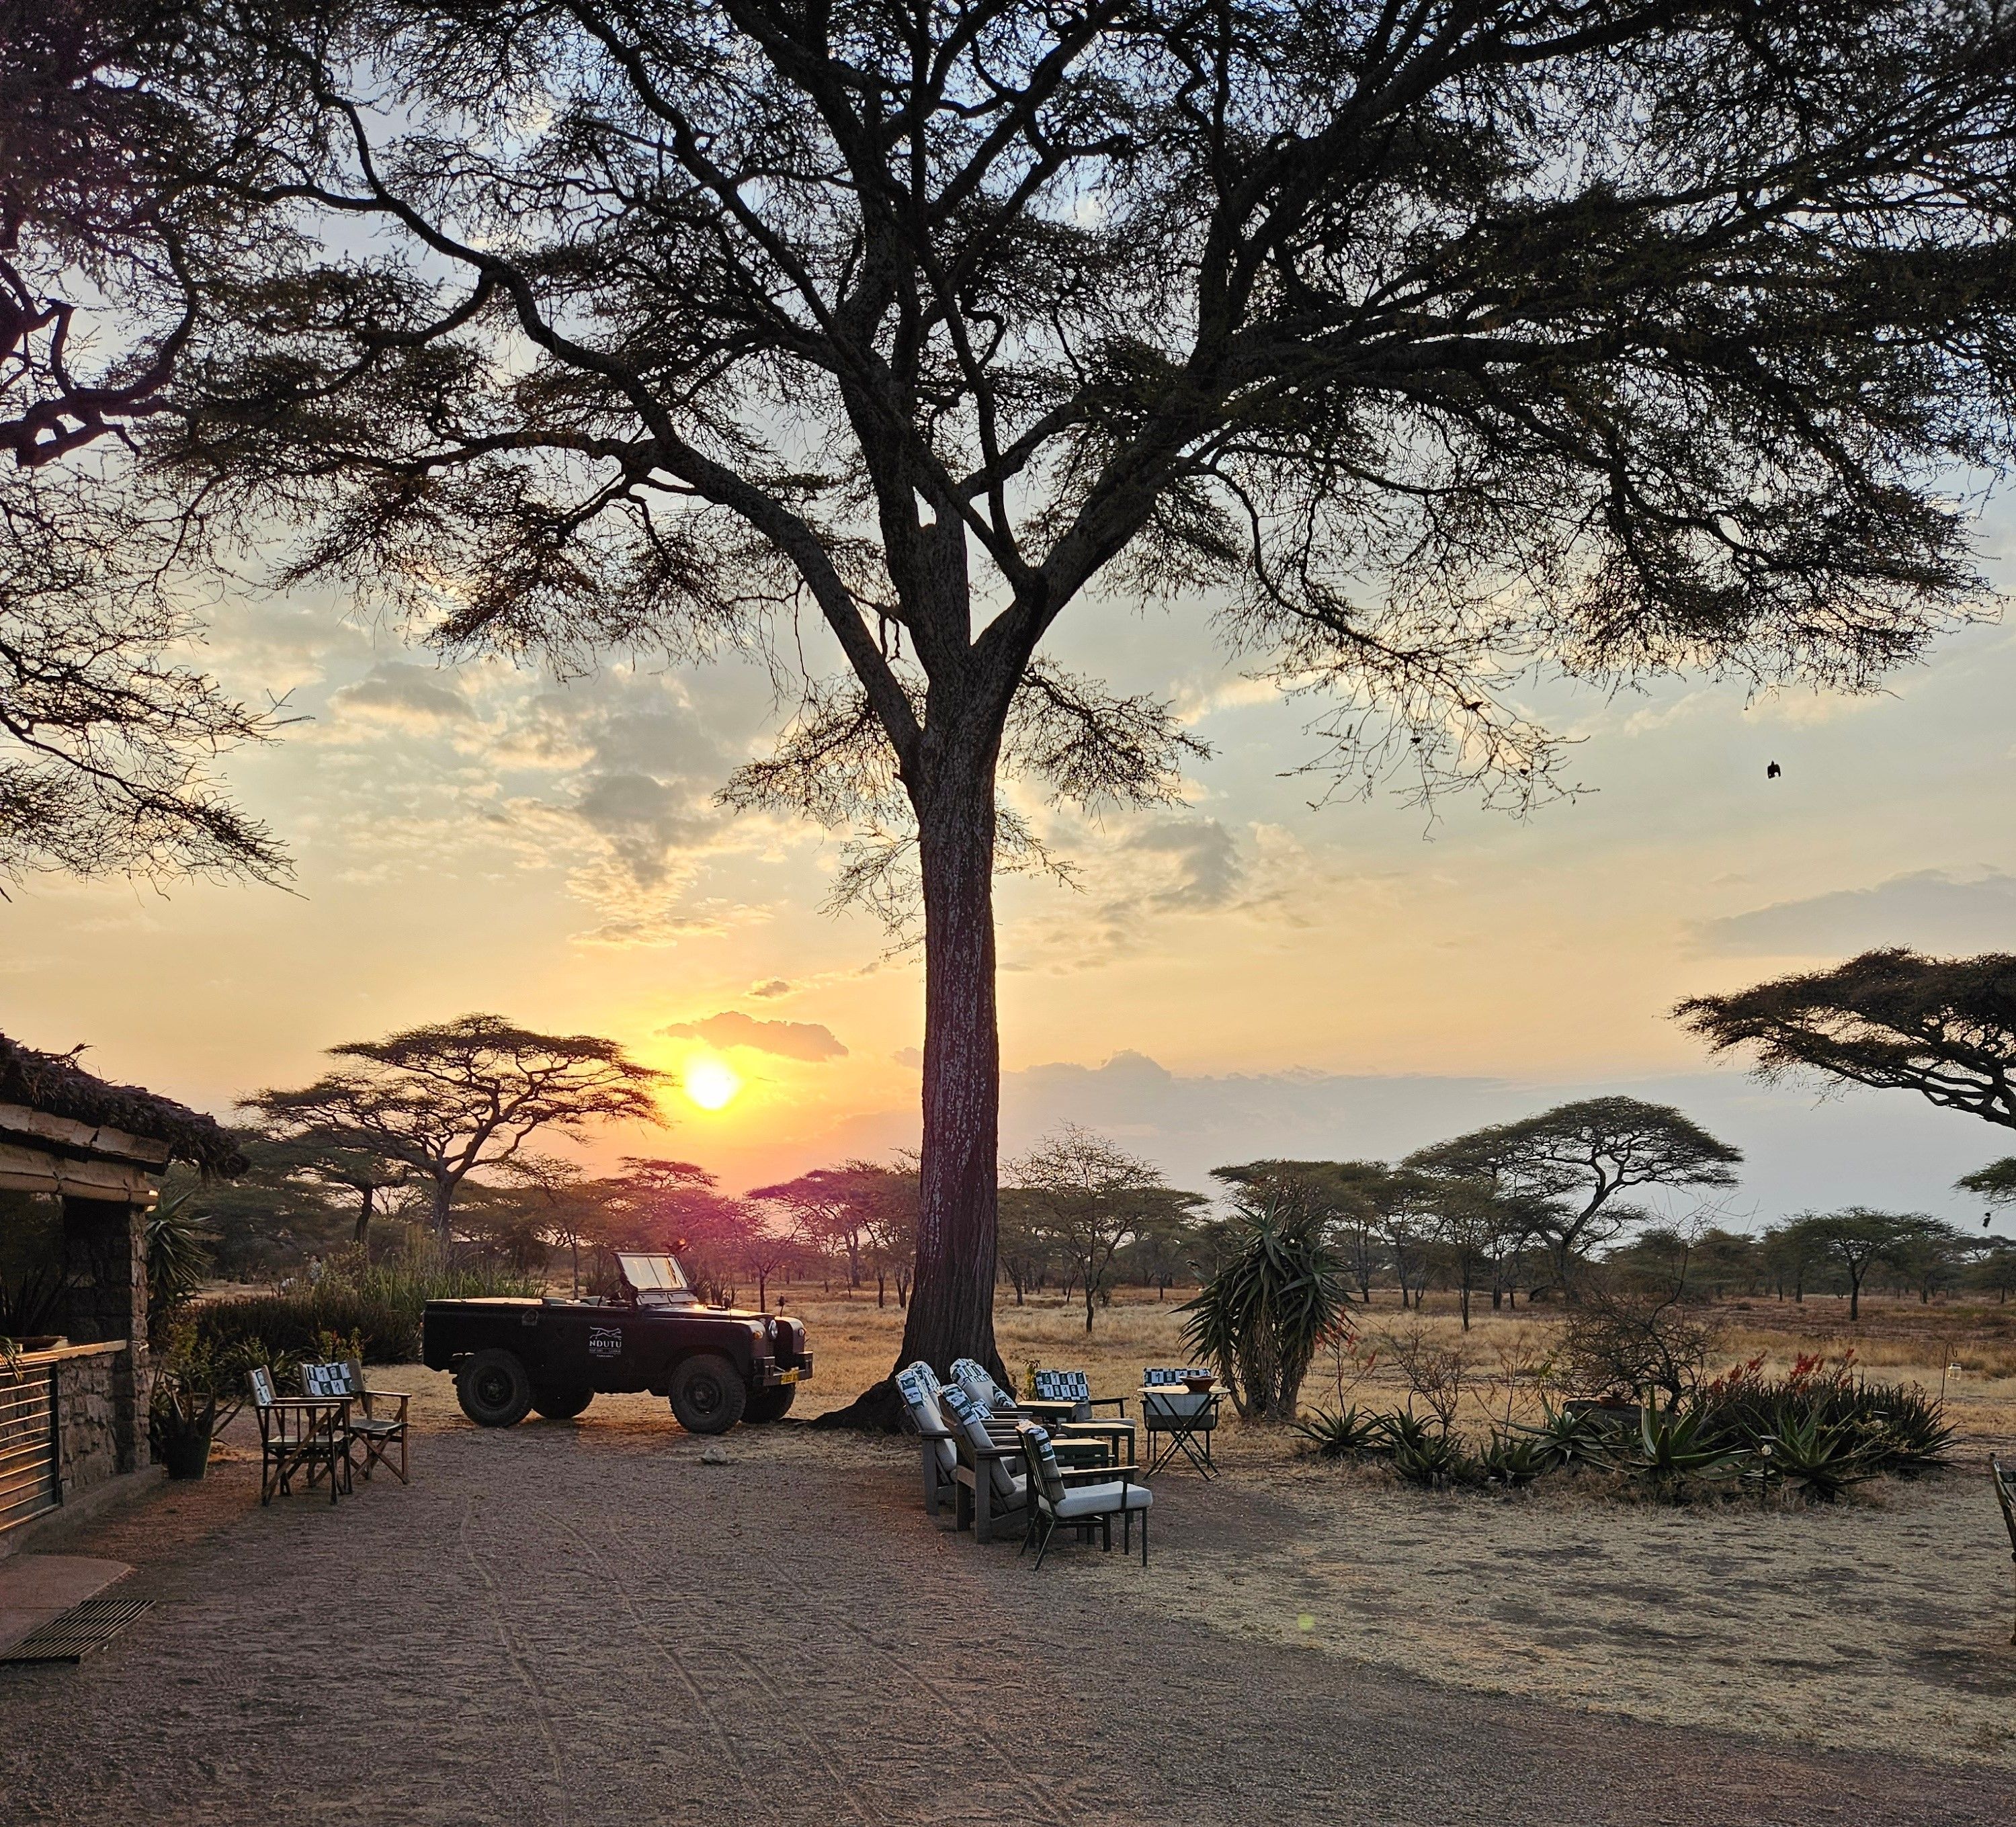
455,1096
1428,343
118,130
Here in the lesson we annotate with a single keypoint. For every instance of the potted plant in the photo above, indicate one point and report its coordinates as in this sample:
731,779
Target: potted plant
182,1414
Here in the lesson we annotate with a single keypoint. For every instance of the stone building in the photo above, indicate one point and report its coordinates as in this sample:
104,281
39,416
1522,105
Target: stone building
81,1164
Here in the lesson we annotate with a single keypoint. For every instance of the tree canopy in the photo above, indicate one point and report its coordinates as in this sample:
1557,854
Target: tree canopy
457,1095
1431,346
1564,1168
115,128
1893,1019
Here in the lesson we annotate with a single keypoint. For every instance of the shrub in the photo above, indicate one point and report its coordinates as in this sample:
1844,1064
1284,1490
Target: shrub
1569,1439
1512,1461
1819,1458
1670,1449
375,1306
1428,1457
1620,1341
1893,1429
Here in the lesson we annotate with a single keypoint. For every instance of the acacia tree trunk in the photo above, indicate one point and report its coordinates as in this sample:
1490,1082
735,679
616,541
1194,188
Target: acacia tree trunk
368,1194
951,1309
951,1312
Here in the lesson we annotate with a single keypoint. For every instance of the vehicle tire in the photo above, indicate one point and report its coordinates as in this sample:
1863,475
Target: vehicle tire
494,1390
770,1404
708,1393
561,1404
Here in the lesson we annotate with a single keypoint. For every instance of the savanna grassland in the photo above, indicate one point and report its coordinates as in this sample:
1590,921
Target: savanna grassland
1881,1622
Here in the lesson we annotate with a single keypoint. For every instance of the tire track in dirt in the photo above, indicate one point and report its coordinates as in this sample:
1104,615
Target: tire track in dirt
669,1654
507,1640
1015,1769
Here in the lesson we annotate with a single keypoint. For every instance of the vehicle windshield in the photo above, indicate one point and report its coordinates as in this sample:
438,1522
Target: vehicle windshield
652,1277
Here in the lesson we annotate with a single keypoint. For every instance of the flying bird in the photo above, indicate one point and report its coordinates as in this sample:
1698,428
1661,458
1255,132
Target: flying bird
1772,771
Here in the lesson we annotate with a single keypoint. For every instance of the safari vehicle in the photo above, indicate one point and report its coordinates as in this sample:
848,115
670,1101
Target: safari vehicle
716,1365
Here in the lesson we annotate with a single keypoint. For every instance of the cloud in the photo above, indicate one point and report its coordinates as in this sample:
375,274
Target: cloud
645,821
1930,910
415,696
788,1040
776,986
1205,858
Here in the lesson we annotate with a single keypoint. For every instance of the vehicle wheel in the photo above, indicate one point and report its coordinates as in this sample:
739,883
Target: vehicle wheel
561,1404
494,1390
707,1394
771,1404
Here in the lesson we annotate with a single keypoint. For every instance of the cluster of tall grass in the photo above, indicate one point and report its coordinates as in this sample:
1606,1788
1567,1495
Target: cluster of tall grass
377,1305
1813,1433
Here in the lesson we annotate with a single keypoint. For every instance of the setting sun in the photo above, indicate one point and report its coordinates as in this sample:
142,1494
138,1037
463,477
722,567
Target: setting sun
711,1083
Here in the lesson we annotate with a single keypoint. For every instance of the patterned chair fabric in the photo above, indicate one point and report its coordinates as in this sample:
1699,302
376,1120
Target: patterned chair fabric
262,1387
971,1420
987,1395
1046,1476
327,1382
920,1390
1065,1386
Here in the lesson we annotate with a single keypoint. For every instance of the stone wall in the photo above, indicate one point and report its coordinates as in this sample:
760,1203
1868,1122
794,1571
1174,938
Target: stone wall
89,1430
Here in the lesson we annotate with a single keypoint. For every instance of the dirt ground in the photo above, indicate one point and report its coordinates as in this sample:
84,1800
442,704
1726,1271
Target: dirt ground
1883,1622
574,1623
579,1623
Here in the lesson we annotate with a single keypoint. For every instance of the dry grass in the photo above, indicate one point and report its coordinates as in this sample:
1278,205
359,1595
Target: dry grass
1897,1341
1880,1624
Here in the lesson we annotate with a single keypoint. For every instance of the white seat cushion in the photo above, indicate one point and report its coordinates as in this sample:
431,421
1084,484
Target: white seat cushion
1100,1500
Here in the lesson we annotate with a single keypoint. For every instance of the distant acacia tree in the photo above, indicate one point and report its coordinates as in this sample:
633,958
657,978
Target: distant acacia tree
333,1157
449,1099
1433,345
1090,1197
1567,1165
1858,1239
830,1207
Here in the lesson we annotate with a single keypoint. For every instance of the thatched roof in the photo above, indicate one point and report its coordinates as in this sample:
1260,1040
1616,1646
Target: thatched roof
56,1085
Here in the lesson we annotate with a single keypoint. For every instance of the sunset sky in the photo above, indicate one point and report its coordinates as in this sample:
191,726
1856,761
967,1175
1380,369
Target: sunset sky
1246,975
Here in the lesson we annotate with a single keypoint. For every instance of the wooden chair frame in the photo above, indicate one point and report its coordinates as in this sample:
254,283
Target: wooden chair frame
377,1433
300,1433
1043,1523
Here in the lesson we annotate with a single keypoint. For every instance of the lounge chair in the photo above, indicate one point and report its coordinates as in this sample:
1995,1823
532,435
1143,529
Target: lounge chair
991,1488
938,1456
1079,1498
1075,1443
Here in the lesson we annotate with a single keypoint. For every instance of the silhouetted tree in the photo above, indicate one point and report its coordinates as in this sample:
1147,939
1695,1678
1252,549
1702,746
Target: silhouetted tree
1090,1197
458,1096
1430,346
1567,1166
118,158
1857,1239
1945,1028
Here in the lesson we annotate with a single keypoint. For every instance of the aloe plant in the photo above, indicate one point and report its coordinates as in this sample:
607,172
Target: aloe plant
1569,1441
1822,1459
1343,1435
1669,1448
1510,1461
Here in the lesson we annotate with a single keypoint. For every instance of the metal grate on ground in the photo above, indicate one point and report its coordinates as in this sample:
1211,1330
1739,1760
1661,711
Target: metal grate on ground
72,1635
